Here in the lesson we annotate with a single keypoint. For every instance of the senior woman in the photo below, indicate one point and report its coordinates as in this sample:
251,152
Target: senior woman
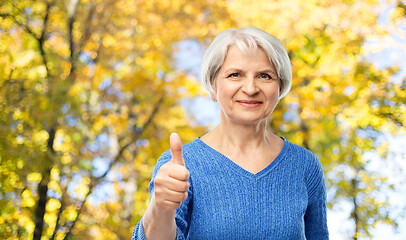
240,180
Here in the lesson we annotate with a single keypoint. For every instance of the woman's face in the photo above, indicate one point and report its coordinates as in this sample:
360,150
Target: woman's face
247,87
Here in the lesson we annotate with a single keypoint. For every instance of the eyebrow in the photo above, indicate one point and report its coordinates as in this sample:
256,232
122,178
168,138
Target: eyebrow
239,70
267,71
233,70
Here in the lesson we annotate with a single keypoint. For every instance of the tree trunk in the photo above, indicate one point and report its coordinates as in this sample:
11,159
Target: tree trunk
43,190
355,211
41,204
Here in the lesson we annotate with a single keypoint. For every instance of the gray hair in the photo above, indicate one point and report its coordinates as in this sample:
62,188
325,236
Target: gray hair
245,39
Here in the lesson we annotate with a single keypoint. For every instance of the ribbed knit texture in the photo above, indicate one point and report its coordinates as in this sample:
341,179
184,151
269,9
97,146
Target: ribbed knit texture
286,200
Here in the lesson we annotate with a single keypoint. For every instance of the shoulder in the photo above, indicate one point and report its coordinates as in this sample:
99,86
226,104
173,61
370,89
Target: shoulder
313,170
306,158
300,152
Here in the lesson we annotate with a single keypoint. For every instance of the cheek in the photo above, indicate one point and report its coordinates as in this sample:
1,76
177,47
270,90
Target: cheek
225,90
272,100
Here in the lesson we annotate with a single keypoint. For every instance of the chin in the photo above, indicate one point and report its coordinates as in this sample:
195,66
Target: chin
249,121
245,118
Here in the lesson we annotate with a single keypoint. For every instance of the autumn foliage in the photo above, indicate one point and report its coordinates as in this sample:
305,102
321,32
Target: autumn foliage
90,93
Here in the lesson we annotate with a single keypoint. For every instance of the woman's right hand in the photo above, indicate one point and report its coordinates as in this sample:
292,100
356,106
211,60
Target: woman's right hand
170,190
172,180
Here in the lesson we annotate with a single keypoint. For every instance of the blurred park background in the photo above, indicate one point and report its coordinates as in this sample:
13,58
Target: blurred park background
91,89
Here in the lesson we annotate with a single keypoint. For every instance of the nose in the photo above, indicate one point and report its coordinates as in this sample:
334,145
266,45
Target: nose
249,86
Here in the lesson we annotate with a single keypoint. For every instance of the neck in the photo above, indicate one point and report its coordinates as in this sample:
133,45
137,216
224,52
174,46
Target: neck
242,137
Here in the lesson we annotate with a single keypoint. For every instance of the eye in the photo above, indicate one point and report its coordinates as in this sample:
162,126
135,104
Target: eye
265,76
233,75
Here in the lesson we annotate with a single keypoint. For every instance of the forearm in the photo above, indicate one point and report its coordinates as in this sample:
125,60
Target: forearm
159,223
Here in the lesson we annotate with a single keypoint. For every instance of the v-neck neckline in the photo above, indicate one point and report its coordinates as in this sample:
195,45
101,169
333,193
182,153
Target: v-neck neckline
232,165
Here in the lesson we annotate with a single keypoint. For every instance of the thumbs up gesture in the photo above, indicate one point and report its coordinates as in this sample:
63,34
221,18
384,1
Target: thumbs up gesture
172,180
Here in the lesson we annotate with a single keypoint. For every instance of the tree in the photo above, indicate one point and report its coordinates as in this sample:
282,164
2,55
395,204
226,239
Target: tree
88,98
89,95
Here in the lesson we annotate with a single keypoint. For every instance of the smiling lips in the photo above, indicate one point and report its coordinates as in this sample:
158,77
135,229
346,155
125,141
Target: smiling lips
249,104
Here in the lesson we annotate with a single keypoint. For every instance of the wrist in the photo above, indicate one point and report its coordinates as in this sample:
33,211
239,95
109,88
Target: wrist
159,223
161,212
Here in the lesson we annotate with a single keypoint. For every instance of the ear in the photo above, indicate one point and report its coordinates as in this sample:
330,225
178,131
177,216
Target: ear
213,97
280,87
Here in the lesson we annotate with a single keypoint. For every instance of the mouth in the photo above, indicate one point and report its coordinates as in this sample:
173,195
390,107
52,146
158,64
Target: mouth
249,103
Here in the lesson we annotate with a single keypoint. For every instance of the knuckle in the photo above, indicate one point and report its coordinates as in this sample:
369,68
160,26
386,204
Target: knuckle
158,202
179,197
186,186
158,181
158,193
185,174
185,196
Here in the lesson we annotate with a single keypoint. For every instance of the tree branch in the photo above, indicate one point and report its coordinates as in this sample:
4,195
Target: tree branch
96,59
59,213
26,27
42,38
87,32
95,181
393,118
354,214
72,7
305,131
402,6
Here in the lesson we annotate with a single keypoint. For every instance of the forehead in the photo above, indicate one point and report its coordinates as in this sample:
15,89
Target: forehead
235,57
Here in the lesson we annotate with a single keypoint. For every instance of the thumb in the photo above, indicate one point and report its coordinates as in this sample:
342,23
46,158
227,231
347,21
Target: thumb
176,149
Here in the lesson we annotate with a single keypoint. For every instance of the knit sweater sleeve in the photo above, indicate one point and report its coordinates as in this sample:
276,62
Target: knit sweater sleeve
315,216
182,213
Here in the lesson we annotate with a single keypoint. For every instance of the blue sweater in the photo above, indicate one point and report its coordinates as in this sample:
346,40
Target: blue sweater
286,200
